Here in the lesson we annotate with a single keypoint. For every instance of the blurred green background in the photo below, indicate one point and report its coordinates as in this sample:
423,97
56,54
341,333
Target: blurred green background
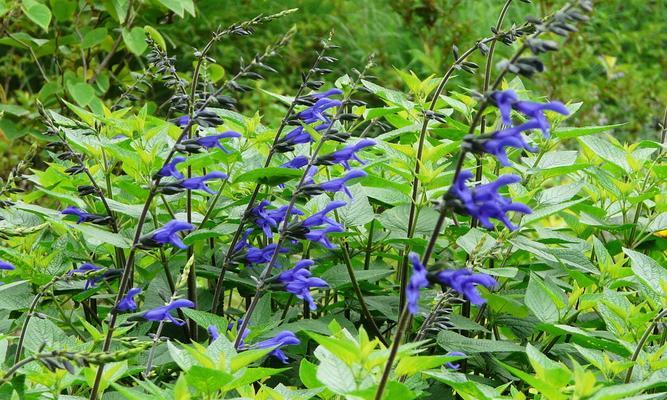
616,65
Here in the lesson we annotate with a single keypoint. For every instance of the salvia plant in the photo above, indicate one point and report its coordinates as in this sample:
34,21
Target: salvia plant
439,242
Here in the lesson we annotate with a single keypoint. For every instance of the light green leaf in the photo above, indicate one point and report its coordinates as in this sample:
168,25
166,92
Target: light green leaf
540,300
135,40
38,13
452,341
649,272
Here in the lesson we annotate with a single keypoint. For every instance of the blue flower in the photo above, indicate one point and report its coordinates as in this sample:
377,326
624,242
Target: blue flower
6,266
465,282
214,140
86,217
169,169
333,185
299,281
320,217
298,135
455,354
181,121
282,339
243,242
536,112
346,154
86,268
336,185
316,112
213,332
328,93
259,256
198,182
245,334
418,281
268,219
168,234
504,101
484,202
508,100
127,303
319,235
163,313
296,162
510,137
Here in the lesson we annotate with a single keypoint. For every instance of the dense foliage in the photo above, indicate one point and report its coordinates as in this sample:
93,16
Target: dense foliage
307,222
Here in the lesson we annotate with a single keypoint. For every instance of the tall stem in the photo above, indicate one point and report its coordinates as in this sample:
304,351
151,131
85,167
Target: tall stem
253,197
288,213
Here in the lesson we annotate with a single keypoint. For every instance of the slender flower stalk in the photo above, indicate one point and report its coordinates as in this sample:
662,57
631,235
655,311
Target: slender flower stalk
129,262
267,271
272,151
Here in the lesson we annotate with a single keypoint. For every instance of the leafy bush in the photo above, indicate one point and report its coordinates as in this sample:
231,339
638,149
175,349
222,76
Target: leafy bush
365,243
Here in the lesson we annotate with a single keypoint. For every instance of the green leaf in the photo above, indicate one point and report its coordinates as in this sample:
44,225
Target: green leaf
540,300
607,151
207,380
15,296
334,373
543,212
97,236
649,272
93,37
206,319
156,36
567,132
38,13
179,6
270,176
81,92
135,40
452,341
412,364
337,277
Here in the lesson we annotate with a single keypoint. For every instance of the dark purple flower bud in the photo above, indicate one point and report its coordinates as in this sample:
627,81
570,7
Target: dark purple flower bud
536,111
256,255
454,354
198,183
417,282
284,338
6,266
163,313
213,333
484,202
169,169
86,217
299,281
167,234
127,303
344,155
465,282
